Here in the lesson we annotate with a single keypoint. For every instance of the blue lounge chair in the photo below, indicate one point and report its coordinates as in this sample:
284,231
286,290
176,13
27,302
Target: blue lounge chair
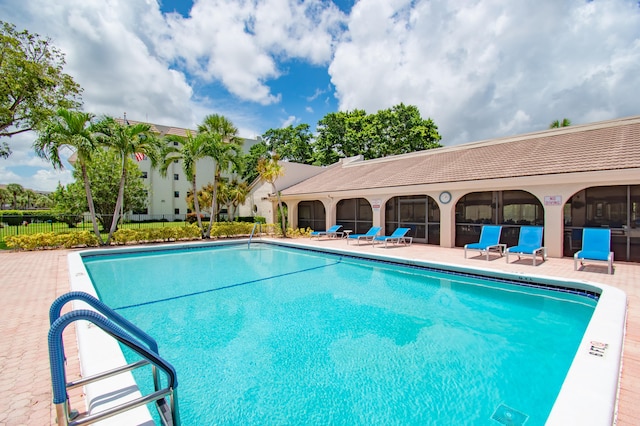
332,232
371,233
529,243
489,240
398,236
596,245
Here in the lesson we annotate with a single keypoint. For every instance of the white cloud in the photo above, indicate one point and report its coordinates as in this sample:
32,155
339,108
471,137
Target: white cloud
47,179
292,119
240,43
315,95
491,67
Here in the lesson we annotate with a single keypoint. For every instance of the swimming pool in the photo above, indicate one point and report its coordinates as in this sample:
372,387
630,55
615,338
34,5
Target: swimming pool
395,320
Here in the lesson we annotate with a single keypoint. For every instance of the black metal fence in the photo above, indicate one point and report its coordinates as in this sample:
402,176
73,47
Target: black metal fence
32,224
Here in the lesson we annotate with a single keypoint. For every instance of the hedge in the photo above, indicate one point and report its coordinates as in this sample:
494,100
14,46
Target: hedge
50,240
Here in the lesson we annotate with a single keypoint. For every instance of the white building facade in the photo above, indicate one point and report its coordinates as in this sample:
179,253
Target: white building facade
167,194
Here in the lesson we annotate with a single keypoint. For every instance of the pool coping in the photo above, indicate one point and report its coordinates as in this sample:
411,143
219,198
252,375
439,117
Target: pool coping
585,398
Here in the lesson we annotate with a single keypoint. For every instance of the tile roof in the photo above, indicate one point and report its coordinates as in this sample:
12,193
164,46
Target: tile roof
607,145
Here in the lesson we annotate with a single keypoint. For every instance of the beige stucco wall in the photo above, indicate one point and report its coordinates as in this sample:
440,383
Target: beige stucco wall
260,201
561,185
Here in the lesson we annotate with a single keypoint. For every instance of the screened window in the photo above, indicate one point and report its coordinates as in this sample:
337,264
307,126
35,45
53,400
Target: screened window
420,213
311,214
512,209
354,214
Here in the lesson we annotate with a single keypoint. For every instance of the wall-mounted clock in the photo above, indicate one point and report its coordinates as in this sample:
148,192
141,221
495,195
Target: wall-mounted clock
445,197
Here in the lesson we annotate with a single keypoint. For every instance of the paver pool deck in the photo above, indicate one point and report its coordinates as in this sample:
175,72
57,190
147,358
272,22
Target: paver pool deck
30,281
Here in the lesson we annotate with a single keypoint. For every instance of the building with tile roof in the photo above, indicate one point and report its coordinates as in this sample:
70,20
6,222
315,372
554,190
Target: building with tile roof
564,179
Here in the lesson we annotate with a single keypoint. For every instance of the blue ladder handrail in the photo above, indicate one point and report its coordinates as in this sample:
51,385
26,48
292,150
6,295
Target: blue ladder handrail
57,356
56,309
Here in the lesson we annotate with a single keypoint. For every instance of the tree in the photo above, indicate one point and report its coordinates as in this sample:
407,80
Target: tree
72,129
331,132
33,86
232,193
270,170
204,197
250,161
190,149
42,201
224,147
67,205
556,124
405,131
4,197
127,140
224,196
291,143
15,190
397,130
238,192
30,197
105,185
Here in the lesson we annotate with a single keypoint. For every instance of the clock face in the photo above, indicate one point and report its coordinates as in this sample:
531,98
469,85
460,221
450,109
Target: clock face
445,197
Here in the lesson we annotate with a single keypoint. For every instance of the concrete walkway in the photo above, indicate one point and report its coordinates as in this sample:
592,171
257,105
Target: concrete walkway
30,281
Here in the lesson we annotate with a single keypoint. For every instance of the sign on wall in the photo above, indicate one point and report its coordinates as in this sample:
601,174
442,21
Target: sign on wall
553,200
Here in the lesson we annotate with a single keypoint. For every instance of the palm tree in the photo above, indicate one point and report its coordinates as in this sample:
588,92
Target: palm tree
555,124
238,190
42,201
224,196
224,147
71,129
270,170
190,149
127,140
15,190
4,197
30,196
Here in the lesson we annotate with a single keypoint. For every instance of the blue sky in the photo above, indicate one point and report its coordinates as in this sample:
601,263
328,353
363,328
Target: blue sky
481,69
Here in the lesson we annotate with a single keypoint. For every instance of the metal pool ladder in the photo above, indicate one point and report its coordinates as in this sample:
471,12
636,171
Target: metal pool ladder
255,225
123,331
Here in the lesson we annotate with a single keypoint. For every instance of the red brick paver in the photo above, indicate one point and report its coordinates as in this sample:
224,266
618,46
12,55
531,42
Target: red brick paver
30,281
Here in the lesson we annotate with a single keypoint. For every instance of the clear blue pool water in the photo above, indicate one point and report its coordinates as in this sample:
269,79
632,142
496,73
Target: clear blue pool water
276,336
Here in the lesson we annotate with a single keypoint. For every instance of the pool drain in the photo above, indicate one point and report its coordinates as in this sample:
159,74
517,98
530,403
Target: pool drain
508,416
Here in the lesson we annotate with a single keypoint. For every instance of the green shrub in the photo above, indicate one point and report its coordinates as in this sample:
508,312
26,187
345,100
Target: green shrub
78,239
170,233
124,236
48,240
189,232
299,232
231,229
